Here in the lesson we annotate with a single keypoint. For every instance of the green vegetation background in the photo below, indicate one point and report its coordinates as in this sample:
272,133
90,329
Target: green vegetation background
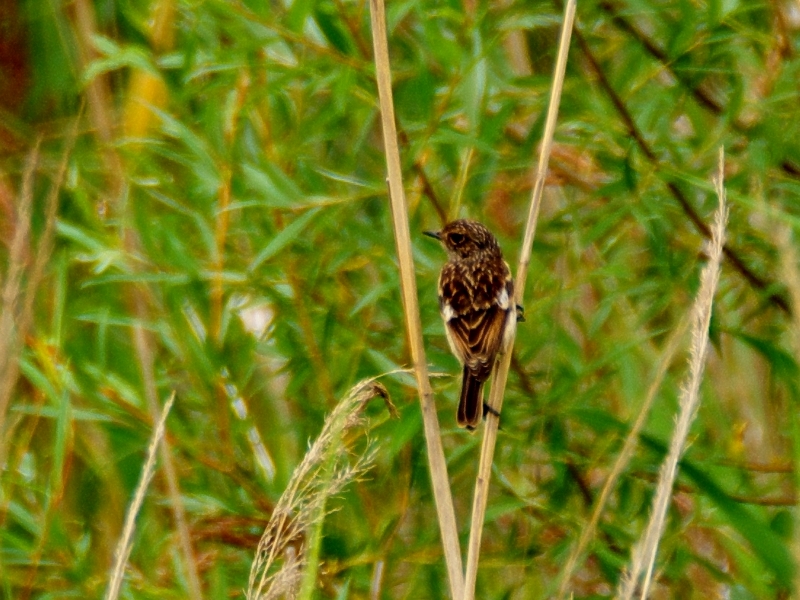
223,230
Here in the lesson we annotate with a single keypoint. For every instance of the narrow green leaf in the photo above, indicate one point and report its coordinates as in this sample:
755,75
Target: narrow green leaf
284,238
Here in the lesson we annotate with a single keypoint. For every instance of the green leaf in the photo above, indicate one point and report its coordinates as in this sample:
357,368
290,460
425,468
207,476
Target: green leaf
283,239
298,13
273,185
332,28
117,57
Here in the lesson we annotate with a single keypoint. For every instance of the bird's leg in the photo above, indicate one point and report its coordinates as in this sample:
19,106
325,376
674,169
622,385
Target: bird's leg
520,313
488,410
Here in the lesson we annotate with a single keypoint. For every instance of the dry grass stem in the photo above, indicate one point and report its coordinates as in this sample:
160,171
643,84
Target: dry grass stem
644,553
126,541
791,277
628,448
501,370
436,461
324,471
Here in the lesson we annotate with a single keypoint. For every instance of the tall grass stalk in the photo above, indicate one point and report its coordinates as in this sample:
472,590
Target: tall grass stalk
644,553
294,531
126,541
501,371
436,461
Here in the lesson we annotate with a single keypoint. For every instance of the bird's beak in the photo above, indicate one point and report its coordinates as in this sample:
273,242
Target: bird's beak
434,234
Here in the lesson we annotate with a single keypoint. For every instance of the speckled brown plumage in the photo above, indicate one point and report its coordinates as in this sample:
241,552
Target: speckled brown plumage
476,300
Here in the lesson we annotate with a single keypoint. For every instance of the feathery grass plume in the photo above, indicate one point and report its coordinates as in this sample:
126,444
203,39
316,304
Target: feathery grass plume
294,531
628,448
17,315
644,553
501,369
126,541
19,250
437,464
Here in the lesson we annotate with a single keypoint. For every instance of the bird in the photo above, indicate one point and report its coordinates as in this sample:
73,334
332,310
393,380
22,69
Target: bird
476,301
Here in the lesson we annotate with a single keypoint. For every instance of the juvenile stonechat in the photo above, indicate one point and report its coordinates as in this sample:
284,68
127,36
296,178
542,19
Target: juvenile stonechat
476,300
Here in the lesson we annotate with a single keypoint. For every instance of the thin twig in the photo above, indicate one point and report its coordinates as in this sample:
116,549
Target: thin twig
126,541
736,261
700,94
436,461
501,371
644,554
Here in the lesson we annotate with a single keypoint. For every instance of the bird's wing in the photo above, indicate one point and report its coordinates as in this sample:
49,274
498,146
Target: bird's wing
476,309
479,334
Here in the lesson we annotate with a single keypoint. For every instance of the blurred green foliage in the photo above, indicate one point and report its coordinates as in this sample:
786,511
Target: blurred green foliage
236,212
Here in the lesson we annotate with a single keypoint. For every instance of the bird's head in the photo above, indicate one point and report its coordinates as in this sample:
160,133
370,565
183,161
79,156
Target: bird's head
465,238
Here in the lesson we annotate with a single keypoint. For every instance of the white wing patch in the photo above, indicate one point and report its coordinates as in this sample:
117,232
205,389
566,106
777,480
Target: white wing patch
447,312
502,298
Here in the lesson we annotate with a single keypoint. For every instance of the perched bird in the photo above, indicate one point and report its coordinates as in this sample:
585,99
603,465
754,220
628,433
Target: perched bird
476,299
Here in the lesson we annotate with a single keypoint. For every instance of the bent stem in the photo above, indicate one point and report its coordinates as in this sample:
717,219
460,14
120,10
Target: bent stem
501,370
436,461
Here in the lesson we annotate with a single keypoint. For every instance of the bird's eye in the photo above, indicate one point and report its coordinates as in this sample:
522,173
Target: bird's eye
456,238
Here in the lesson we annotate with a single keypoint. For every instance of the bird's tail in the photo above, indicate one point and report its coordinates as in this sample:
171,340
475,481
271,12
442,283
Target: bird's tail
470,406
